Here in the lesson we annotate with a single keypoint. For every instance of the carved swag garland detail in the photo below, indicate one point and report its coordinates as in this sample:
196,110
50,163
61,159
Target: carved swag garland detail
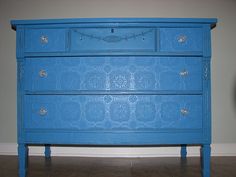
114,38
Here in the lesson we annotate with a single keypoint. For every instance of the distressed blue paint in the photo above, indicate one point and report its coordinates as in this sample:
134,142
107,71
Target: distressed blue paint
114,81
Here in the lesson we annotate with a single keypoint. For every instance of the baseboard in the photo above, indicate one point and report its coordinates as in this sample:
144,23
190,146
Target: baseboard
217,150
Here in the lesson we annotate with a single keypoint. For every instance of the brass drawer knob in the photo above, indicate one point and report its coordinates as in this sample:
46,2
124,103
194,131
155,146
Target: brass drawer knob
44,39
43,73
43,112
184,112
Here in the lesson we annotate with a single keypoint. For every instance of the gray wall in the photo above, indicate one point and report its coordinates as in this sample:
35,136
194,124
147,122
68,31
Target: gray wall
223,44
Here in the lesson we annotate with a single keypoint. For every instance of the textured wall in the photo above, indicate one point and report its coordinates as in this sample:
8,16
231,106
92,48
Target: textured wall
223,44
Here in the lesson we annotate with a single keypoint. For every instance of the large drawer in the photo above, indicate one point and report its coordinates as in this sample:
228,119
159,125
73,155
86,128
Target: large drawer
181,39
112,39
113,112
113,73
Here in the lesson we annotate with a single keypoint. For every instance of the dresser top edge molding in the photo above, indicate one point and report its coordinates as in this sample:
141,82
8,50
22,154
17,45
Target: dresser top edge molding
210,21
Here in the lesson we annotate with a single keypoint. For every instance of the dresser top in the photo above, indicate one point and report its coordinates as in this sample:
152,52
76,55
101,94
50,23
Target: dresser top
211,21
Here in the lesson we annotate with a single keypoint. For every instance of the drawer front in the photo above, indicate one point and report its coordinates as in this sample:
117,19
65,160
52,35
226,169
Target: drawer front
45,40
181,39
113,73
112,39
116,113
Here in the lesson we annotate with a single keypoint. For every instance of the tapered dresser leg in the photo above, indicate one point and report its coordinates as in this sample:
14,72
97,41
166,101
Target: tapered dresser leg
206,160
183,151
22,159
47,151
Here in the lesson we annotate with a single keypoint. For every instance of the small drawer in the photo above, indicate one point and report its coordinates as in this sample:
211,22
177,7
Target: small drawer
113,73
181,39
113,112
45,40
112,39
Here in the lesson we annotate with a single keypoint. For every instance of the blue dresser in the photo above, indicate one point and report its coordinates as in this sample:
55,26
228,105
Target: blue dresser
116,82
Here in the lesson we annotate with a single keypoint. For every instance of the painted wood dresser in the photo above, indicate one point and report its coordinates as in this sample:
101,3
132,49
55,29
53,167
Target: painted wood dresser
114,81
